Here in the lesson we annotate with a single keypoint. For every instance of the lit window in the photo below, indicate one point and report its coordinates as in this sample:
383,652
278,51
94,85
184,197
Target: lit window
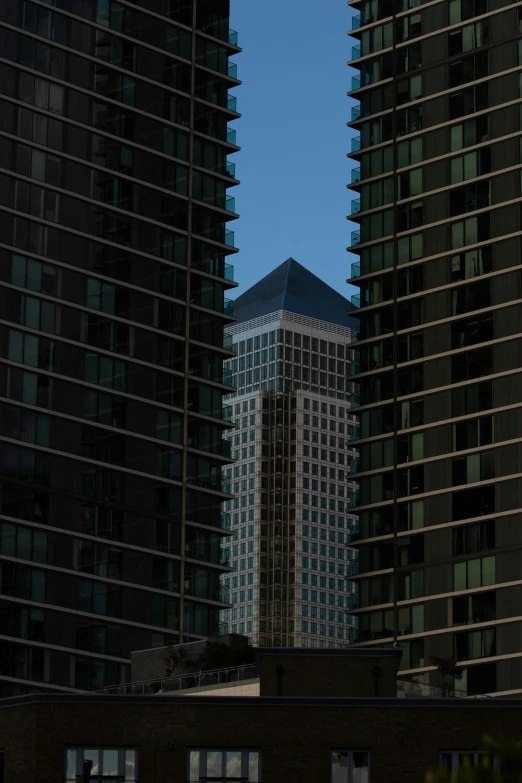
116,764
350,766
229,765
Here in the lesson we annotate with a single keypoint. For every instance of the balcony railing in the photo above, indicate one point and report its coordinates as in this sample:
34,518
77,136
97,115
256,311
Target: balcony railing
231,136
226,448
356,300
229,237
357,81
228,379
230,204
356,237
229,272
356,21
224,594
228,345
356,206
355,433
226,485
233,38
356,112
351,502
354,367
356,52
231,169
352,568
356,175
226,413
354,467
356,270
224,557
224,521
232,69
356,144
232,103
352,601
184,682
228,306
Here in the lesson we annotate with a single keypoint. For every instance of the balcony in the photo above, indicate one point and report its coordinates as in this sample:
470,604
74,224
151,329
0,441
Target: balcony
231,169
226,485
355,433
228,345
226,414
356,144
224,594
352,501
232,103
231,136
226,448
228,379
356,175
355,237
224,557
229,237
356,83
228,273
352,601
356,112
233,38
228,307
356,300
230,204
355,270
354,467
224,521
355,367
356,21
352,568
356,52
232,70
356,206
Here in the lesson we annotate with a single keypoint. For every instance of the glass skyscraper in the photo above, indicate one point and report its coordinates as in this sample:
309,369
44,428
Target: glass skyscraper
291,517
438,169
113,272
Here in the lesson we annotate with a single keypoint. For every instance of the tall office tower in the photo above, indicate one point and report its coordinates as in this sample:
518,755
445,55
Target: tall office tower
113,167
439,243
290,516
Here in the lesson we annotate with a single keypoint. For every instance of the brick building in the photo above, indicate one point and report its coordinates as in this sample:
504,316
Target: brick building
305,738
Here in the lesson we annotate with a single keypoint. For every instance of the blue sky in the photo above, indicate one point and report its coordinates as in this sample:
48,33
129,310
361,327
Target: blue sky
293,167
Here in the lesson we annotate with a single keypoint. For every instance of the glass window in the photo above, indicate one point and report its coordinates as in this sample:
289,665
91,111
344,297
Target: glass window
229,765
108,763
350,766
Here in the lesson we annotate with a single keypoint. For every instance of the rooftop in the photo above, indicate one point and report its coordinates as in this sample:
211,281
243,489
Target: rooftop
293,288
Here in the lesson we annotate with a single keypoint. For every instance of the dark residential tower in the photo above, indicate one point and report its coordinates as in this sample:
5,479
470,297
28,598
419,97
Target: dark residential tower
113,269
439,243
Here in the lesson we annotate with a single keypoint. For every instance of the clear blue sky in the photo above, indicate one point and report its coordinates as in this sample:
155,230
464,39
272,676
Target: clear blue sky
293,167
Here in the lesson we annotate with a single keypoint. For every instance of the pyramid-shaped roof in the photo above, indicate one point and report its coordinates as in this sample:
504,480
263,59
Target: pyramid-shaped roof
294,288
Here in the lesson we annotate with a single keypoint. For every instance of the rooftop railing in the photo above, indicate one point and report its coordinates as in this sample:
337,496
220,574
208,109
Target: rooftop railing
185,681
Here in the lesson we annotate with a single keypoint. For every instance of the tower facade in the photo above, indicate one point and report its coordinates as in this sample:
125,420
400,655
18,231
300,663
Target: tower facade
291,514
113,273
438,157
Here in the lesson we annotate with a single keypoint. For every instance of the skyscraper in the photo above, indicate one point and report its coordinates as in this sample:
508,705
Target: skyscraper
291,513
113,205
439,154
